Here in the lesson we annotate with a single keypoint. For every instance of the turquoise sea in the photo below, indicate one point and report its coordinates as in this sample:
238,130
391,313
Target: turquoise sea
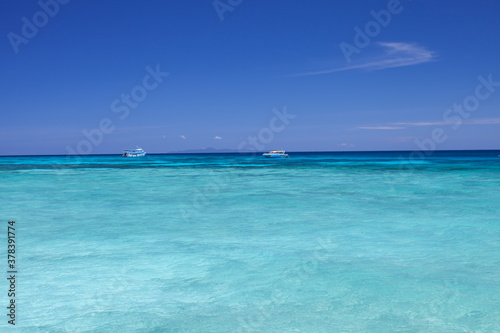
319,242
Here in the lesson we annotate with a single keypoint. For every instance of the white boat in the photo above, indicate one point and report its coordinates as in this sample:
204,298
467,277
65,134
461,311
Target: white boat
134,153
276,153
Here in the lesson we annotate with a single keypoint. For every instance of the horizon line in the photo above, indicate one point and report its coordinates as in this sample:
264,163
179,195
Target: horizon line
257,152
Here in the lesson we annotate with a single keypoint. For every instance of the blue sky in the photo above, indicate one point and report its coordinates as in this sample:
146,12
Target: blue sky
230,63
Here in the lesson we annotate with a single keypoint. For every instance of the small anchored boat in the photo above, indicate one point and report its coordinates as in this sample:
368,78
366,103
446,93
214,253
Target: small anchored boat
134,153
276,153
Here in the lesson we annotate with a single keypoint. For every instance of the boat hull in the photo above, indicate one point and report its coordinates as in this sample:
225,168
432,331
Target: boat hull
276,156
134,155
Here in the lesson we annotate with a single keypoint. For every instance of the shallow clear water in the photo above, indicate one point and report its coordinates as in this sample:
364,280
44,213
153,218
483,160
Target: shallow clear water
320,242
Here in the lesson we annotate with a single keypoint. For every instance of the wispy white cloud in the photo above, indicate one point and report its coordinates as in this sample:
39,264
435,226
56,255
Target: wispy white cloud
490,121
403,125
395,55
425,123
380,127
217,138
182,137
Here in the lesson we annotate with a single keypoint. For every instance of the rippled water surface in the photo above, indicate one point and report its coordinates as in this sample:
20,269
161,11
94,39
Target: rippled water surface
319,242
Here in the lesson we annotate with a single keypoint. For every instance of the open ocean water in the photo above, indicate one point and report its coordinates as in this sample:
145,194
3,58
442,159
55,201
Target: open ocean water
320,242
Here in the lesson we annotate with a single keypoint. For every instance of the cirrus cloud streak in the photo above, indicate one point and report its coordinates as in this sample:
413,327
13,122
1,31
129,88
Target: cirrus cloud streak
395,55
